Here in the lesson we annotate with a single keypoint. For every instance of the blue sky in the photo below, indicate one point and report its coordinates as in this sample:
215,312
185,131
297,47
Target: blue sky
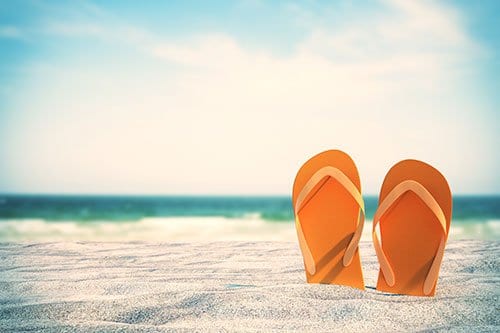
230,97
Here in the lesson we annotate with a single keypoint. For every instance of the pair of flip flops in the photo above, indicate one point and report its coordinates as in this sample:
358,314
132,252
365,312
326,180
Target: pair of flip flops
413,215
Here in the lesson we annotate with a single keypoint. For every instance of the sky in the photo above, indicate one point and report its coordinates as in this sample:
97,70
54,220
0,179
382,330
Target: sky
231,97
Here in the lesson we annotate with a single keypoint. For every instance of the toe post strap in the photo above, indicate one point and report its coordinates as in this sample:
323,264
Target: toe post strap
390,202
318,177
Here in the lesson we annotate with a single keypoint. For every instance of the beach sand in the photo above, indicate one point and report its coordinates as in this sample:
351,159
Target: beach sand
230,286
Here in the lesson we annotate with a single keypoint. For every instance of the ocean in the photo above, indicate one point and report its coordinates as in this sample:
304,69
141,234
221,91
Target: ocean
193,218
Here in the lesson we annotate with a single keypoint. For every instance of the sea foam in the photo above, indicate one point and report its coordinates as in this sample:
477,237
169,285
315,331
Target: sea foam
165,229
251,227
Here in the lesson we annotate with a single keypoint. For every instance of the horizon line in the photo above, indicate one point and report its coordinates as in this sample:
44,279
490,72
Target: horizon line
261,195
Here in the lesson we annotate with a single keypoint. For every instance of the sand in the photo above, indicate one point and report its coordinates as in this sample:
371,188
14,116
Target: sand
230,286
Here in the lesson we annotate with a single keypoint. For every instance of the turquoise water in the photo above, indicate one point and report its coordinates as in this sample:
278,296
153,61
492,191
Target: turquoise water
466,209
473,216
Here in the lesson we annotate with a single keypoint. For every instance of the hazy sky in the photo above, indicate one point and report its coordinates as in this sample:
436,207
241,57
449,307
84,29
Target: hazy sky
231,97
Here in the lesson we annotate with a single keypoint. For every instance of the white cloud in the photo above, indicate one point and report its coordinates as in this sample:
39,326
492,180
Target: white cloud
429,20
233,120
10,32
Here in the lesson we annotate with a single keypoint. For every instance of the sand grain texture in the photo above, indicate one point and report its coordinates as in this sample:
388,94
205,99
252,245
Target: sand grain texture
230,286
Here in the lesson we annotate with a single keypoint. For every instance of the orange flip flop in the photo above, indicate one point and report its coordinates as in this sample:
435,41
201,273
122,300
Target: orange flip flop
414,216
329,217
